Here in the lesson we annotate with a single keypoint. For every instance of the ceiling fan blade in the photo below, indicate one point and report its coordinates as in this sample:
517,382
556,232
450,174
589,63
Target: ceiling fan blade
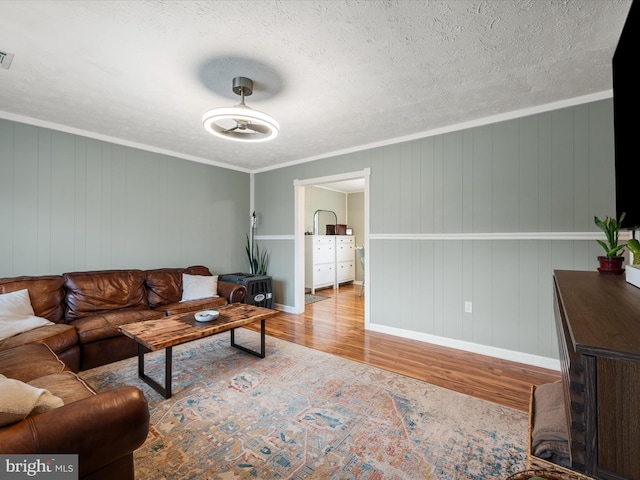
258,128
228,130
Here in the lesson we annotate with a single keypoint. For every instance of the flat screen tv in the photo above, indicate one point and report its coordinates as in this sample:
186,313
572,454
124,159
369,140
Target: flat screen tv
626,109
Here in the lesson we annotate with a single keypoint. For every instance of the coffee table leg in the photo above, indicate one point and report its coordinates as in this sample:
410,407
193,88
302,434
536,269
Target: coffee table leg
166,390
261,353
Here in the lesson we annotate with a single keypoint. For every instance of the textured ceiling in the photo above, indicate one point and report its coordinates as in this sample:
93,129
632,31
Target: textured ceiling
335,74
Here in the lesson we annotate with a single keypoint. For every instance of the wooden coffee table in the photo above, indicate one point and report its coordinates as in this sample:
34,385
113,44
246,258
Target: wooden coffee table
178,329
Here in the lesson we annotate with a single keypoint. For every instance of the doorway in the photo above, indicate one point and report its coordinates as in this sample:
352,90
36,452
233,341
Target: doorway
299,189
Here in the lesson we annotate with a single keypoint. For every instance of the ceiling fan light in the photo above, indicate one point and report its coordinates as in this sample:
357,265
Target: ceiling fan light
216,121
241,123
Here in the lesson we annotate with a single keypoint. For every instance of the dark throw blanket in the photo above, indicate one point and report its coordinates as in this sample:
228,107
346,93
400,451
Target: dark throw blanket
550,437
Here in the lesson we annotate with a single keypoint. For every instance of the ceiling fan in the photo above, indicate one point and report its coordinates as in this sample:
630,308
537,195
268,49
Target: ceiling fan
241,122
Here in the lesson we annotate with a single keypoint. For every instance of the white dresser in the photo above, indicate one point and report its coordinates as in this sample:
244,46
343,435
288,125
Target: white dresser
329,260
345,258
320,261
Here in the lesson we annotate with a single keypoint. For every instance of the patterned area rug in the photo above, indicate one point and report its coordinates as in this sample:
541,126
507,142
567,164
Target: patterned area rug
308,298
300,413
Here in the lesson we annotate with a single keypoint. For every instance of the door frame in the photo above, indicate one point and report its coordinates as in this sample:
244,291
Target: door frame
299,226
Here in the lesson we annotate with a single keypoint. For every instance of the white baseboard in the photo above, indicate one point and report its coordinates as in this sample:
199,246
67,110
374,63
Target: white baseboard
513,356
284,308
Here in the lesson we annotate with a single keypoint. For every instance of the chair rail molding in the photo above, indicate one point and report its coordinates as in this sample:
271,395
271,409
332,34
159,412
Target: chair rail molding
497,236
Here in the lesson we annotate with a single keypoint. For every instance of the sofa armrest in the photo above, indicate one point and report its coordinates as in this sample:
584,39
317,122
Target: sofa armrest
100,429
233,292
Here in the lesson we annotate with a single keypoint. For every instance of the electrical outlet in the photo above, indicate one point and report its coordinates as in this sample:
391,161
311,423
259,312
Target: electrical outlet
468,307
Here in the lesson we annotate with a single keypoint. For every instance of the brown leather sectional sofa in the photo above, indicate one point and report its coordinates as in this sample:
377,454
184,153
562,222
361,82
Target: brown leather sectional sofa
86,309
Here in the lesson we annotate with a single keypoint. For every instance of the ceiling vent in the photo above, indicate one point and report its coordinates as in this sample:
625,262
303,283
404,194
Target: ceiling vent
5,59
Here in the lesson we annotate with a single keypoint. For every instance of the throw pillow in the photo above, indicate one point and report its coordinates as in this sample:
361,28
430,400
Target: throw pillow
16,303
195,287
18,400
16,314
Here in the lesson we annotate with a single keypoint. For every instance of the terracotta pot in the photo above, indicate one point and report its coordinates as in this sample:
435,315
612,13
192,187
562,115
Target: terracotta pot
611,265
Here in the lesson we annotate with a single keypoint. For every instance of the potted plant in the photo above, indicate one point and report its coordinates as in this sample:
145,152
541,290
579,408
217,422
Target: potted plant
611,263
258,261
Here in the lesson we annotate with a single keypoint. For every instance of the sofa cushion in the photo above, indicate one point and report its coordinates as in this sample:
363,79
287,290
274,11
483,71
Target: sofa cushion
105,325
164,285
66,385
58,336
18,400
46,294
89,293
28,362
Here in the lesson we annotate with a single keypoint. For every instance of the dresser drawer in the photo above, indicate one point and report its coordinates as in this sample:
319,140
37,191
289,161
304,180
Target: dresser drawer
323,254
346,271
324,275
323,240
345,240
345,252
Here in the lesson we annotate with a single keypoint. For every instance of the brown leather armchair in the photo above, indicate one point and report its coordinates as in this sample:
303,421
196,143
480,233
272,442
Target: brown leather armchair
102,428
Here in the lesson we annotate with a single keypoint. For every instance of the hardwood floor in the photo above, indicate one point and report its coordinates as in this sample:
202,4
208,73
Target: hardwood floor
336,326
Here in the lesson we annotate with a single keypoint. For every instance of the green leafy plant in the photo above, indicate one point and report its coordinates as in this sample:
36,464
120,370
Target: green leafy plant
258,262
634,247
611,228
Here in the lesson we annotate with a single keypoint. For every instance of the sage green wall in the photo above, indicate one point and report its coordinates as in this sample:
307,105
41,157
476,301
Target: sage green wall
70,203
549,172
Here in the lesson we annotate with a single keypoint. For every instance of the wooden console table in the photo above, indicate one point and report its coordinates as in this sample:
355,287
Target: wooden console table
598,324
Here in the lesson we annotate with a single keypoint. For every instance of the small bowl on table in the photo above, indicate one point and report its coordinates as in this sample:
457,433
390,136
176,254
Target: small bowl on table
206,315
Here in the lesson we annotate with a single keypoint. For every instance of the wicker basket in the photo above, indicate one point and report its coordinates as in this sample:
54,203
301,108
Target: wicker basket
546,474
544,468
